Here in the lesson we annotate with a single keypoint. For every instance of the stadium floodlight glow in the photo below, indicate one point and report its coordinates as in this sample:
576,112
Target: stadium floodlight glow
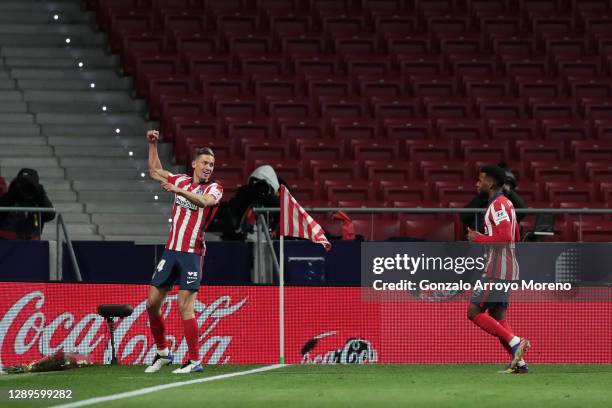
67,40
142,175
156,197
55,17
117,131
131,153
80,64
104,108
92,85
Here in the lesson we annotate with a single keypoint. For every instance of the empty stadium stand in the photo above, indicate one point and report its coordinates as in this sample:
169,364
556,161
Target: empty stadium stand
376,100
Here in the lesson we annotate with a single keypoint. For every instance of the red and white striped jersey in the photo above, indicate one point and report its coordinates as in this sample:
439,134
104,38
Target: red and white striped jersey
189,222
502,232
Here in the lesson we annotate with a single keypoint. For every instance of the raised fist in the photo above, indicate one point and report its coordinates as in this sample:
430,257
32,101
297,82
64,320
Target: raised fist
152,136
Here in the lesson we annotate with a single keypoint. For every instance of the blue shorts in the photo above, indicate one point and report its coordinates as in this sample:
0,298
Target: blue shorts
490,298
182,266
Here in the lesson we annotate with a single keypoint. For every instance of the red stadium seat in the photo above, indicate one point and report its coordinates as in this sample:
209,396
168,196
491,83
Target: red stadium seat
275,85
333,169
451,191
406,43
506,129
418,150
411,64
303,43
520,65
395,190
444,171
169,86
436,108
428,230
172,106
543,171
326,85
314,149
387,170
408,129
377,230
553,108
267,64
589,87
593,231
514,44
382,87
331,106
256,127
433,86
456,130
466,43
584,150
208,64
295,128
289,107
336,190
500,108
472,65
348,128
499,23
486,87
355,44
602,129
562,130
598,172
476,150
195,127
596,108
315,64
289,170
559,191
396,21
238,106
536,150
368,150
222,85
405,108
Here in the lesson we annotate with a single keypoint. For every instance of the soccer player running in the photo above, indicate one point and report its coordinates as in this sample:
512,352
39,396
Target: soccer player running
488,307
195,203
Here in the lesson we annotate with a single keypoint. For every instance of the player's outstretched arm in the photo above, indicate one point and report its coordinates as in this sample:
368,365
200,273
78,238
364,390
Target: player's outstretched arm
156,171
206,200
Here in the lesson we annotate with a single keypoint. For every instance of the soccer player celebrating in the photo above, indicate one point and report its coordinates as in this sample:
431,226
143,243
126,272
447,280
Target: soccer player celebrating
488,308
195,203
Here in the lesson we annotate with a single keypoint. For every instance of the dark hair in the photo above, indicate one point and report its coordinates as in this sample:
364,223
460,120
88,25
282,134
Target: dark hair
510,178
496,173
203,150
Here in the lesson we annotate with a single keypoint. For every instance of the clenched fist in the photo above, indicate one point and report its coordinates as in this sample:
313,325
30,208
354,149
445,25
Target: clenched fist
152,136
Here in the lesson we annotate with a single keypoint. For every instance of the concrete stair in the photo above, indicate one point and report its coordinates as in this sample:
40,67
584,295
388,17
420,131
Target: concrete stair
92,162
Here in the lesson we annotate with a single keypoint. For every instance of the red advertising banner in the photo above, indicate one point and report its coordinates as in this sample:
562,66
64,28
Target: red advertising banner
324,325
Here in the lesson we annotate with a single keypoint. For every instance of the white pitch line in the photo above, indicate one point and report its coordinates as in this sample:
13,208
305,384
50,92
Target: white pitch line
156,388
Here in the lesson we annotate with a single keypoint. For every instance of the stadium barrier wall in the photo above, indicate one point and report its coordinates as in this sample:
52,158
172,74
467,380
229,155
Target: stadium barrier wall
324,325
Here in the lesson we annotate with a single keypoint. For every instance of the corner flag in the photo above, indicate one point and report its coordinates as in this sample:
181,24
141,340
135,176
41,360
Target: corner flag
296,222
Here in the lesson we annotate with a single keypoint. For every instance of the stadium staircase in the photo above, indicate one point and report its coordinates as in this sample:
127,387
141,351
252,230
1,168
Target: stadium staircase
67,111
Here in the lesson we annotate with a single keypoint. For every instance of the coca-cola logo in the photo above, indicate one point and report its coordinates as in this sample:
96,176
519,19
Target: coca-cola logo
25,327
354,350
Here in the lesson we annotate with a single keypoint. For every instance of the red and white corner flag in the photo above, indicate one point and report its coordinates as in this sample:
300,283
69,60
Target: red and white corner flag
296,222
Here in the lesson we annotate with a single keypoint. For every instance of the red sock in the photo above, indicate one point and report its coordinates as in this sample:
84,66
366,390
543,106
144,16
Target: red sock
190,328
157,329
504,323
492,326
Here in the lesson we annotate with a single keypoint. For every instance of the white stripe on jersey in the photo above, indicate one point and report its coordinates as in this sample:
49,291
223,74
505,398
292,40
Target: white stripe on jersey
173,233
184,225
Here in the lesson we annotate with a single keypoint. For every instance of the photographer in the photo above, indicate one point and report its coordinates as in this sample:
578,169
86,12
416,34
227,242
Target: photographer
475,221
24,191
234,217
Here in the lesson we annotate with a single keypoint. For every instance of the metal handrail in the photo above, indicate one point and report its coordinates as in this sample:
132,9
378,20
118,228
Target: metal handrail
60,224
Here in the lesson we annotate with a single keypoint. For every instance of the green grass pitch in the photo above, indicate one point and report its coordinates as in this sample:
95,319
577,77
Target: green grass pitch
466,385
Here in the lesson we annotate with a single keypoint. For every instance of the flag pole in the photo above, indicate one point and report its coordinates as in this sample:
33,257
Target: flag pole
281,299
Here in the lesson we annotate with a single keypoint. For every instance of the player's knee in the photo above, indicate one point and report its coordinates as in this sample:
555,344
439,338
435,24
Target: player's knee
472,313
